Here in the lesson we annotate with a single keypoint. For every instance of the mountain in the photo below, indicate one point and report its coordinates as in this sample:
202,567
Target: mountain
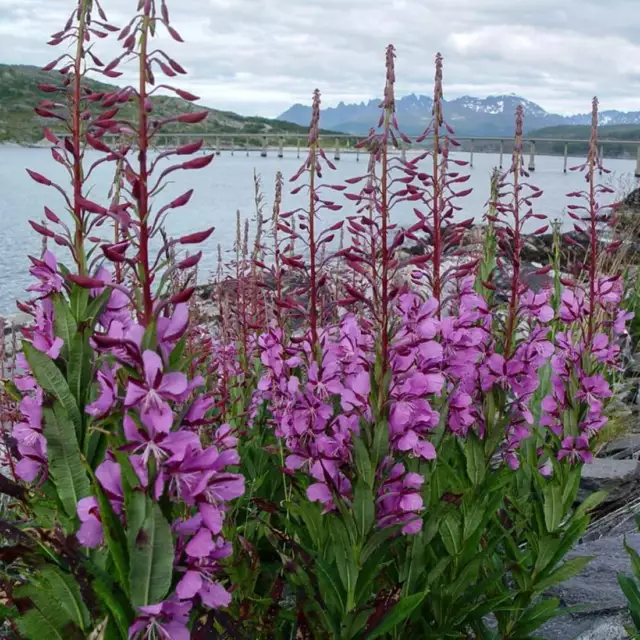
19,94
492,116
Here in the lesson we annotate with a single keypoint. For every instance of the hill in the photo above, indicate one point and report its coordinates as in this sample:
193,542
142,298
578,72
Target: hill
19,94
582,132
468,115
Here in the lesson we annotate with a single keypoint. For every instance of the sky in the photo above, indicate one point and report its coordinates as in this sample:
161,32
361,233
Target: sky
258,57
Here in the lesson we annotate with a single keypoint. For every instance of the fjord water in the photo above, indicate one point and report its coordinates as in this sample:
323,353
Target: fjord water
226,186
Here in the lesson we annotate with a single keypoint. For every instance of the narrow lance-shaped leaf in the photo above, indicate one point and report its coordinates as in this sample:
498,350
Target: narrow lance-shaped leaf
65,462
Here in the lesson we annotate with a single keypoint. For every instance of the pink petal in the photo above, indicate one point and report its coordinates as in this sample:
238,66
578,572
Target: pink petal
190,584
201,545
411,502
214,595
28,469
152,366
211,517
90,533
426,450
319,492
135,394
173,383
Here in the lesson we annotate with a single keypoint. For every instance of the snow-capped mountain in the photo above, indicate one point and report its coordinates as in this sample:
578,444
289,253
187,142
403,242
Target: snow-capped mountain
468,115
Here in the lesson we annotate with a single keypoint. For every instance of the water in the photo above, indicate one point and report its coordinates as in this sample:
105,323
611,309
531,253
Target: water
220,190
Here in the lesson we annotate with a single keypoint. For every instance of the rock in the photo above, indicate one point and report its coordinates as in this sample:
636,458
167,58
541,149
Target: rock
624,447
596,589
608,474
632,199
608,627
608,630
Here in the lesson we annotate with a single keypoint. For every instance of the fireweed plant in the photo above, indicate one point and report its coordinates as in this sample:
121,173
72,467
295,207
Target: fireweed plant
367,443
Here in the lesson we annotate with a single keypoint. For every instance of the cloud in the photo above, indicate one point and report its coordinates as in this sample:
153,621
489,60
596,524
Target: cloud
260,56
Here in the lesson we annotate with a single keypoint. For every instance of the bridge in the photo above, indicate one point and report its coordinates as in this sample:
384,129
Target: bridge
344,143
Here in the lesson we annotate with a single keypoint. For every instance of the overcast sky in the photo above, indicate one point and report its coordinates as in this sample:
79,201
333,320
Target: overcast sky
260,56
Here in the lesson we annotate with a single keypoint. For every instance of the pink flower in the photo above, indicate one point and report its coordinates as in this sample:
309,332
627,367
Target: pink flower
105,401
163,621
575,449
152,393
572,305
45,270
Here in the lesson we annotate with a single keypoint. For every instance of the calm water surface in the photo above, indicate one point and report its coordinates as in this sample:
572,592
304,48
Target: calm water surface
220,190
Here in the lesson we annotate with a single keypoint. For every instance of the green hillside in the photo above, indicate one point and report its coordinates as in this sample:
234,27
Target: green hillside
582,132
19,94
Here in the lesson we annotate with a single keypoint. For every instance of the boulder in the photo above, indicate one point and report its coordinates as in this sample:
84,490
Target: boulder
596,591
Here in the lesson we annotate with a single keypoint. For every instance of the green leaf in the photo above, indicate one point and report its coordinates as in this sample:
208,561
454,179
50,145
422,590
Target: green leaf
36,626
363,462
451,533
380,440
398,614
176,357
634,557
78,301
590,502
151,559
80,367
65,323
118,605
114,536
630,590
553,506
378,538
536,616
565,571
330,587
363,508
65,462
67,592
97,306
474,454
47,618
50,378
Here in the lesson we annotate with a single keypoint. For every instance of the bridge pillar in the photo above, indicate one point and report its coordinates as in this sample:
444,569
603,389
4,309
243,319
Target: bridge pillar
357,154
281,148
217,146
232,147
336,155
298,145
501,152
471,154
638,164
263,153
566,155
532,156
247,146
403,154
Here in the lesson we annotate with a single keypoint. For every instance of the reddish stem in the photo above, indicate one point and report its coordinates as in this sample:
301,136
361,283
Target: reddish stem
143,177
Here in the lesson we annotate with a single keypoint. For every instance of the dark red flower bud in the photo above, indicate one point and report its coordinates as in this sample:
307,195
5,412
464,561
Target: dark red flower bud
51,216
38,177
180,201
86,282
191,261
174,34
42,229
195,238
198,163
185,95
189,148
183,296
192,118
97,144
91,207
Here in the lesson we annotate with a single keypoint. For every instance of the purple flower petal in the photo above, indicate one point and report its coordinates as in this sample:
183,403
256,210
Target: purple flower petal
190,584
